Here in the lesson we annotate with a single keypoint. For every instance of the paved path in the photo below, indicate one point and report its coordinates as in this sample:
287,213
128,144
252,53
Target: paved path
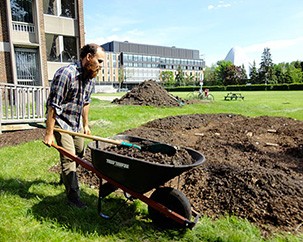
106,98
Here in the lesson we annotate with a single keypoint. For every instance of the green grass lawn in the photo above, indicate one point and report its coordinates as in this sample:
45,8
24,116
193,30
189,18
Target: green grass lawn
33,207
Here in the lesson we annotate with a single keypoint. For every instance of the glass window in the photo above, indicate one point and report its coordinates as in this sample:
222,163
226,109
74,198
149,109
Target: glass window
61,48
69,49
27,66
64,8
50,7
68,8
22,10
52,47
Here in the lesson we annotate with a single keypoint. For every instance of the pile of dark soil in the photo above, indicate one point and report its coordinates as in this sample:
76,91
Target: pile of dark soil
179,158
149,93
253,168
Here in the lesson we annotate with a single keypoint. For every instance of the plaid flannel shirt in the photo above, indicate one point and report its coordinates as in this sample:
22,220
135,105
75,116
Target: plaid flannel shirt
68,94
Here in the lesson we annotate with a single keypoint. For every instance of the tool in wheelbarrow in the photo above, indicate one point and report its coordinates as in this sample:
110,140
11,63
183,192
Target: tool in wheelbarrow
179,101
147,146
167,207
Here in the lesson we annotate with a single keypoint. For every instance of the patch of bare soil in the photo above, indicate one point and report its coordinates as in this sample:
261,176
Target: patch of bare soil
254,166
11,138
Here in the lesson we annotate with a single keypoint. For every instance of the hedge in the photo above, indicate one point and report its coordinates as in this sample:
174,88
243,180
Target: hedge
253,87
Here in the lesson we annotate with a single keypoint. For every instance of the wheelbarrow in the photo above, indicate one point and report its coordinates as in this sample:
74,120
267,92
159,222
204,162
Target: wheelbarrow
168,207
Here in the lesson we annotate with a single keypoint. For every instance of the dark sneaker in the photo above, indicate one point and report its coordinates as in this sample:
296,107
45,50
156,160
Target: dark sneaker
77,203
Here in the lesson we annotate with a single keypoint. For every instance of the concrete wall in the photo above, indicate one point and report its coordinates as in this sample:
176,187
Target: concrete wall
61,25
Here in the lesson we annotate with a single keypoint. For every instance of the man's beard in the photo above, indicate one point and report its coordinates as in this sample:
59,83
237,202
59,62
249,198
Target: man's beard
90,72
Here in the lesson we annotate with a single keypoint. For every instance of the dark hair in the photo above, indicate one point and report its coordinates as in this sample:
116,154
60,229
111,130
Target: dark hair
89,48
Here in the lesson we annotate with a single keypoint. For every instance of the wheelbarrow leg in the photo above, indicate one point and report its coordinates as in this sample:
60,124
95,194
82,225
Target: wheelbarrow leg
102,215
104,190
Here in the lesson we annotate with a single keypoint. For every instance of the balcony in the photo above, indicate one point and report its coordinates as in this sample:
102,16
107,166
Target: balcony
24,33
23,27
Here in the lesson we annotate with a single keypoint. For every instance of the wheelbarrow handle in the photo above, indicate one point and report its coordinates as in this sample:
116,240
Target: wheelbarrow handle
92,137
97,138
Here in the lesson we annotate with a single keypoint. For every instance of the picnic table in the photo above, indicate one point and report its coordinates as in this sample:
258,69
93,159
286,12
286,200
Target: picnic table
233,96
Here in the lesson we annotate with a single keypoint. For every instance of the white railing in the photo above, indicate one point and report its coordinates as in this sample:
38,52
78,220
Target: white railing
20,104
23,27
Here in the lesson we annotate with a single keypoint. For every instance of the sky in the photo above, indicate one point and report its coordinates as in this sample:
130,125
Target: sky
213,27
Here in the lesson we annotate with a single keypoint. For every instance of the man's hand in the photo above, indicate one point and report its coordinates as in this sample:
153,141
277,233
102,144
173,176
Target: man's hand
50,123
48,139
86,130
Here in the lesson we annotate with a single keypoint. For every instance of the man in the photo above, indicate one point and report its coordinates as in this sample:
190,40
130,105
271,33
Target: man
67,108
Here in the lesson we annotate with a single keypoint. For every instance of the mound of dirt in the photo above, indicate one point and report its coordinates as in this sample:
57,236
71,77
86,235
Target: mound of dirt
149,93
253,168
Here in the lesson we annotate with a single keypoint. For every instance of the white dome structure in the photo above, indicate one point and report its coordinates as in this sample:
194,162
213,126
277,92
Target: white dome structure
237,56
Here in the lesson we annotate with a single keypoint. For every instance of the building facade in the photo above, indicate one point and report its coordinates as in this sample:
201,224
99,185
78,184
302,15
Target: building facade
37,37
138,62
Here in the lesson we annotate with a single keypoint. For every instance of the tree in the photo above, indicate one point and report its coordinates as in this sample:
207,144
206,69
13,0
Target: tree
221,69
210,76
243,74
281,75
298,65
229,74
234,75
180,79
167,78
190,80
121,77
295,74
253,74
266,67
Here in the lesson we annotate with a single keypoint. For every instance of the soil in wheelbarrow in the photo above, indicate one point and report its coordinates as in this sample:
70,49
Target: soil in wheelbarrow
254,166
179,158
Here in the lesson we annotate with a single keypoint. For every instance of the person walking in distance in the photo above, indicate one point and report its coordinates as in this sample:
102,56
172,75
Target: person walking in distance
68,107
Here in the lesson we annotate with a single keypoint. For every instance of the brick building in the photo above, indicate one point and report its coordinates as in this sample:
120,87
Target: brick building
37,37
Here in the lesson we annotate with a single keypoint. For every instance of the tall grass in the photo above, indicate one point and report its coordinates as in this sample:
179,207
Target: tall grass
33,206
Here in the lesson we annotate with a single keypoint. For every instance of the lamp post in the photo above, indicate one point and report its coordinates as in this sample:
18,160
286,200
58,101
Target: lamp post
201,80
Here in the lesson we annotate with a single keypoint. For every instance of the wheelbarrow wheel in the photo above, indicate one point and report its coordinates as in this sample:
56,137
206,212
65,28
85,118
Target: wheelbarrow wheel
210,97
174,200
190,96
